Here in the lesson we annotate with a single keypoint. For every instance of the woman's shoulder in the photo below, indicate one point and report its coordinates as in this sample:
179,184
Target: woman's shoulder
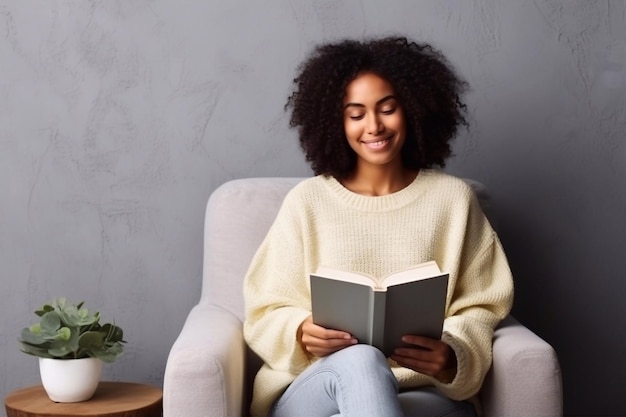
448,184
460,194
307,191
311,185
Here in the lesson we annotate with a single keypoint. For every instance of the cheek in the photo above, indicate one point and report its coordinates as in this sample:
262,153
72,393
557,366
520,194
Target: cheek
399,122
401,127
352,130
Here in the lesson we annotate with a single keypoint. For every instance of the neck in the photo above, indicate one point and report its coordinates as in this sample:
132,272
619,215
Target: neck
379,180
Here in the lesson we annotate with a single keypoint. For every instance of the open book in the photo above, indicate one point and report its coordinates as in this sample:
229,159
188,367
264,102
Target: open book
410,302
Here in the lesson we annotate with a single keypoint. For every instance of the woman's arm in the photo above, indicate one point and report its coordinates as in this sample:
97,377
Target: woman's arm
276,294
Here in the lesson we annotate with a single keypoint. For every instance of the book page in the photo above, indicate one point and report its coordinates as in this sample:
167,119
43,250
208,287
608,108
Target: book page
416,273
346,276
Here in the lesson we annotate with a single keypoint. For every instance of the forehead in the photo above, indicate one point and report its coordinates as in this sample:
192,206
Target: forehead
367,87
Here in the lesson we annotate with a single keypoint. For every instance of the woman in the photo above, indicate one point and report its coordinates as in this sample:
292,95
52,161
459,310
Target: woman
375,118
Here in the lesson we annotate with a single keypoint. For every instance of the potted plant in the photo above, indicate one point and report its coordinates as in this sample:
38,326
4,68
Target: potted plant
71,345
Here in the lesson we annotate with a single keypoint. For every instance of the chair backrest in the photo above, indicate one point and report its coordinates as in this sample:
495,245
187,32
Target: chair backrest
238,215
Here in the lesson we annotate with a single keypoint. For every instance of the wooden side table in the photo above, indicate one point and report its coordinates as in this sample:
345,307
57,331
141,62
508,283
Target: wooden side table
112,399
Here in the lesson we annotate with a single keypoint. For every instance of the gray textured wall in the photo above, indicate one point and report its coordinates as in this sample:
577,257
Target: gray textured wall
118,118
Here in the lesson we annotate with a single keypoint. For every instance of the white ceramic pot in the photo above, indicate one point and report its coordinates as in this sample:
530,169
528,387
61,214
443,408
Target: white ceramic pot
70,380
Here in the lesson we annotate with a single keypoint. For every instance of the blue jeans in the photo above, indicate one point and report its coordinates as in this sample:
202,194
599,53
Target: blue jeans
357,382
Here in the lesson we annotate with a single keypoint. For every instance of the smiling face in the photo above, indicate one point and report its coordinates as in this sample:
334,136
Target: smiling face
374,122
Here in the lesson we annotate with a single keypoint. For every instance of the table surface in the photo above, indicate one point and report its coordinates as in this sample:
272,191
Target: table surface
112,399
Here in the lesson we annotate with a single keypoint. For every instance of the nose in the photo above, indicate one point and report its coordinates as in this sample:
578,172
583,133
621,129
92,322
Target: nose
374,125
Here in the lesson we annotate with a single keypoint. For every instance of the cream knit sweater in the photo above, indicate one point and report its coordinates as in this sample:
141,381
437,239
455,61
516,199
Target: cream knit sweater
436,217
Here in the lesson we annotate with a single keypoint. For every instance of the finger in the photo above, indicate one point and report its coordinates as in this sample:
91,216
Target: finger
413,353
422,341
424,367
308,327
430,362
320,352
323,347
334,334
308,339
440,356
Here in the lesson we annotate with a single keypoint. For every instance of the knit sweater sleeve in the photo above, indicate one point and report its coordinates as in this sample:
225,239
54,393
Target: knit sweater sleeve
276,293
481,295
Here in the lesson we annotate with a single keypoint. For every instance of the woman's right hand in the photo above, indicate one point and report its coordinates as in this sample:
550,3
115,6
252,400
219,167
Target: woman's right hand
319,341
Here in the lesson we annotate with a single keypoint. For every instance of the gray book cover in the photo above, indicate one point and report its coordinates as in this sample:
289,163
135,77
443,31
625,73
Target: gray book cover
380,316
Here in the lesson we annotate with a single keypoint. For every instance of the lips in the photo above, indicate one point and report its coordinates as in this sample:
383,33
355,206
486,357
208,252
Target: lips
378,143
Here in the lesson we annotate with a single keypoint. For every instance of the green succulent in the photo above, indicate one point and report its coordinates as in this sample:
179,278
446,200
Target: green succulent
69,331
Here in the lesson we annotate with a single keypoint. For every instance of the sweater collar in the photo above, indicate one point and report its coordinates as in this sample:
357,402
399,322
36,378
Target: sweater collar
387,202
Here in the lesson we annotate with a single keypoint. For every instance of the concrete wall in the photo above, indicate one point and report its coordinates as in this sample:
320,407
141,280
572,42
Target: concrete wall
118,119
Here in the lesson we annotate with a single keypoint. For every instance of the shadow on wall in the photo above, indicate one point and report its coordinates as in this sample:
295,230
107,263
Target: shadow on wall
564,233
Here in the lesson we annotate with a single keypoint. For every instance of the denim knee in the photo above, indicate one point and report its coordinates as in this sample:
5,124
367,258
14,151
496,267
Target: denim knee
364,359
364,354
358,355
353,381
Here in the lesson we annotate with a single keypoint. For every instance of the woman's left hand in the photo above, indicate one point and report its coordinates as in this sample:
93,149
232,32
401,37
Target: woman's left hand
429,356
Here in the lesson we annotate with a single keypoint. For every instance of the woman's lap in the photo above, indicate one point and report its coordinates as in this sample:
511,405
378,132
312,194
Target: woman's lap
357,381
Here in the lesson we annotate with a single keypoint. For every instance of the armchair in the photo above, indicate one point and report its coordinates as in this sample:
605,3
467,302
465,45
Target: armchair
209,370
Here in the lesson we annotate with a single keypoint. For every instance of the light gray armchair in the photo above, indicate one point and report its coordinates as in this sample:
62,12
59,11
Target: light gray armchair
210,369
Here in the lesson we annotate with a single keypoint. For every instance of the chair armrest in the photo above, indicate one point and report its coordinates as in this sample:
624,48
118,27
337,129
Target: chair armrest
205,367
525,378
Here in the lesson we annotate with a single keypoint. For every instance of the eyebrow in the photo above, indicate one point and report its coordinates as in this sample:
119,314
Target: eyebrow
378,103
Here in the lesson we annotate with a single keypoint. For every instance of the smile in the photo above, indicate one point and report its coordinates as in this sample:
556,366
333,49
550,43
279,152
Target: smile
377,143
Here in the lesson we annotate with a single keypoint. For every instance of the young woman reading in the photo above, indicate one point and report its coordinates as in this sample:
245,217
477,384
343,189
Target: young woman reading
375,121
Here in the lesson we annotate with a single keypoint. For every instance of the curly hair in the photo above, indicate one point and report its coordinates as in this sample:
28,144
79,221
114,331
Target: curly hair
424,83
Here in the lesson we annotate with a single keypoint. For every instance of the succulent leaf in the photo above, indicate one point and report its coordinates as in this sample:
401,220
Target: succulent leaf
50,323
113,332
35,328
45,309
35,351
91,340
64,334
32,338
68,331
61,350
